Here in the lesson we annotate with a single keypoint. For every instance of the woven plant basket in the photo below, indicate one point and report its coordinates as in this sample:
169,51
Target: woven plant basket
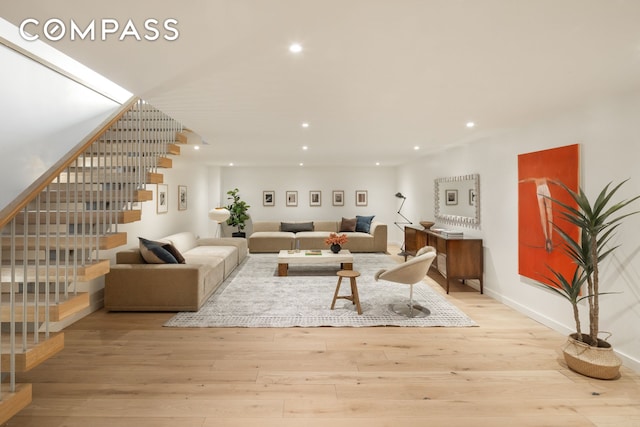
596,362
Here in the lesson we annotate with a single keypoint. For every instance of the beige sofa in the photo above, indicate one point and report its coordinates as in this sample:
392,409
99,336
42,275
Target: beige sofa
133,285
268,237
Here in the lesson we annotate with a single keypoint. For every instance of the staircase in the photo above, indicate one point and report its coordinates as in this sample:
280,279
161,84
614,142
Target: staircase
50,241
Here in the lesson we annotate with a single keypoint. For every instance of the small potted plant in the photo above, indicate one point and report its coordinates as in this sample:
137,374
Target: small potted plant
336,241
238,213
585,352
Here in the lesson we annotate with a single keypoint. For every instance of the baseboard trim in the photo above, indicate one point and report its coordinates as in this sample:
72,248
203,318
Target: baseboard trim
629,362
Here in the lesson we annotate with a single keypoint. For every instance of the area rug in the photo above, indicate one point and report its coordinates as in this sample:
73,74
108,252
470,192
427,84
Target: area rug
254,296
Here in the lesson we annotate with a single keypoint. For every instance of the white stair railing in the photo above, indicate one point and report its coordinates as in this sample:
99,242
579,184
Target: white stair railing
51,241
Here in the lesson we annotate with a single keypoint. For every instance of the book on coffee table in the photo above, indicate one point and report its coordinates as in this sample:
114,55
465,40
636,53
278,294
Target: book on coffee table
313,252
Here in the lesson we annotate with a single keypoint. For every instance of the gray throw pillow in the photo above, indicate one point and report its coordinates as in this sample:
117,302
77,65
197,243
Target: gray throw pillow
294,227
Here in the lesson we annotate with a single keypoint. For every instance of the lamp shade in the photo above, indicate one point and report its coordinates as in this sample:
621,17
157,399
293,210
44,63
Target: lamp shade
219,214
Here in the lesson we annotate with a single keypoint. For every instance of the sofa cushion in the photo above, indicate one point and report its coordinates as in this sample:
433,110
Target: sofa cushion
154,253
295,227
213,255
363,223
270,241
312,239
348,224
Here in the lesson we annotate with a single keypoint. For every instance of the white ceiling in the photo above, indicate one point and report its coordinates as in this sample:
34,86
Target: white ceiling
375,79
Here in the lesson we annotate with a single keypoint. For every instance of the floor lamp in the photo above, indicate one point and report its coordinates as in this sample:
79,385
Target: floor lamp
219,215
400,224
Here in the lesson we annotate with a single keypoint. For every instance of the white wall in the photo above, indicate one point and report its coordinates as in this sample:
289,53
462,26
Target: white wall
47,116
609,134
43,114
380,183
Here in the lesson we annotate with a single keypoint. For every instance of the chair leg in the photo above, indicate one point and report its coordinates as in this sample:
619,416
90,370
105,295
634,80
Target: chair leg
411,300
335,295
354,295
410,310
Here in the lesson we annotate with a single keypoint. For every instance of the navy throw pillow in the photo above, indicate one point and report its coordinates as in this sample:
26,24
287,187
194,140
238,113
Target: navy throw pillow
154,253
363,223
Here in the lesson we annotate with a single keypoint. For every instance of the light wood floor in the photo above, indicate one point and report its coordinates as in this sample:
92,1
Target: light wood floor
125,369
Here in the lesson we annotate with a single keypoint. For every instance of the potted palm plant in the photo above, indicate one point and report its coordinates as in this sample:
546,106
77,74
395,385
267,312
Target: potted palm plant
238,213
585,352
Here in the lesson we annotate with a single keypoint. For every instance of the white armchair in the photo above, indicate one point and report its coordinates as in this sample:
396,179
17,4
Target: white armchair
410,273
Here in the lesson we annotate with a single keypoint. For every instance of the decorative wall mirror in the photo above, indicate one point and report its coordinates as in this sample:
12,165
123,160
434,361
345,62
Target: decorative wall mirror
458,199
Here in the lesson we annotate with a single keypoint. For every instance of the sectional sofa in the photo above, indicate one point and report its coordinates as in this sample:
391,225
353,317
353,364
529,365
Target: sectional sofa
273,236
133,284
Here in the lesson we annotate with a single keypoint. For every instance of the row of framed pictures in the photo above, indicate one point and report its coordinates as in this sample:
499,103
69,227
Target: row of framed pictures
162,203
315,198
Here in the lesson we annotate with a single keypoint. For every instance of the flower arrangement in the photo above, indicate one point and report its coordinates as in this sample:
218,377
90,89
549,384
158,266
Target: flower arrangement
336,239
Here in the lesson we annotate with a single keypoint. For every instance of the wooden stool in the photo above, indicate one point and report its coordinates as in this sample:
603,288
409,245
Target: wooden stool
354,298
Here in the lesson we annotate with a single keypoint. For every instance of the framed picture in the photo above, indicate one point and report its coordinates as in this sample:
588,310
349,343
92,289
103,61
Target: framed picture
338,198
472,197
451,197
182,197
315,198
361,198
292,198
162,205
268,198
540,247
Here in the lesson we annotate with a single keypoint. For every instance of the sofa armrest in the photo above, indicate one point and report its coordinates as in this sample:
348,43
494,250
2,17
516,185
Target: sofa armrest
154,287
129,256
379,232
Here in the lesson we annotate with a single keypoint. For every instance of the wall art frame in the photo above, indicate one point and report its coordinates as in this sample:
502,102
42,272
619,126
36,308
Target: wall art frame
292,198
268,198
338,198
362,198
182,197
162,197
451,197
315,198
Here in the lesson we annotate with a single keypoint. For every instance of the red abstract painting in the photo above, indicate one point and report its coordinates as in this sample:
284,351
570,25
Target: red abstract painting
539,245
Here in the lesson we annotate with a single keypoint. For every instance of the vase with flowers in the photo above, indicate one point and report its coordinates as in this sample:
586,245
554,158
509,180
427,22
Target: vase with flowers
336,241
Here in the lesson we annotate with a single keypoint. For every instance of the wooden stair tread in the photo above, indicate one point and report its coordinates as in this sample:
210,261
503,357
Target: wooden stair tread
173,149
155,178
107,176
12,403
89,217
63,196
164,162
105,241
66,306
182,137
84,272
35,354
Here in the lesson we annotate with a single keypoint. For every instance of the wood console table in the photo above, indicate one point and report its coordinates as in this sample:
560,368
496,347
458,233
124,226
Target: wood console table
459,258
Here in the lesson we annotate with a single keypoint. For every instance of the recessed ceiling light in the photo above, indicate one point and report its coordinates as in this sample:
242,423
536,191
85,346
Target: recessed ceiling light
305,125
470,124
230,164
377,163
295,48
301,164
304,147
196,147
416,148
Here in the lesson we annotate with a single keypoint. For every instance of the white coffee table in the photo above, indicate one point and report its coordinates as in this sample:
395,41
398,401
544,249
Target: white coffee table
285,257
